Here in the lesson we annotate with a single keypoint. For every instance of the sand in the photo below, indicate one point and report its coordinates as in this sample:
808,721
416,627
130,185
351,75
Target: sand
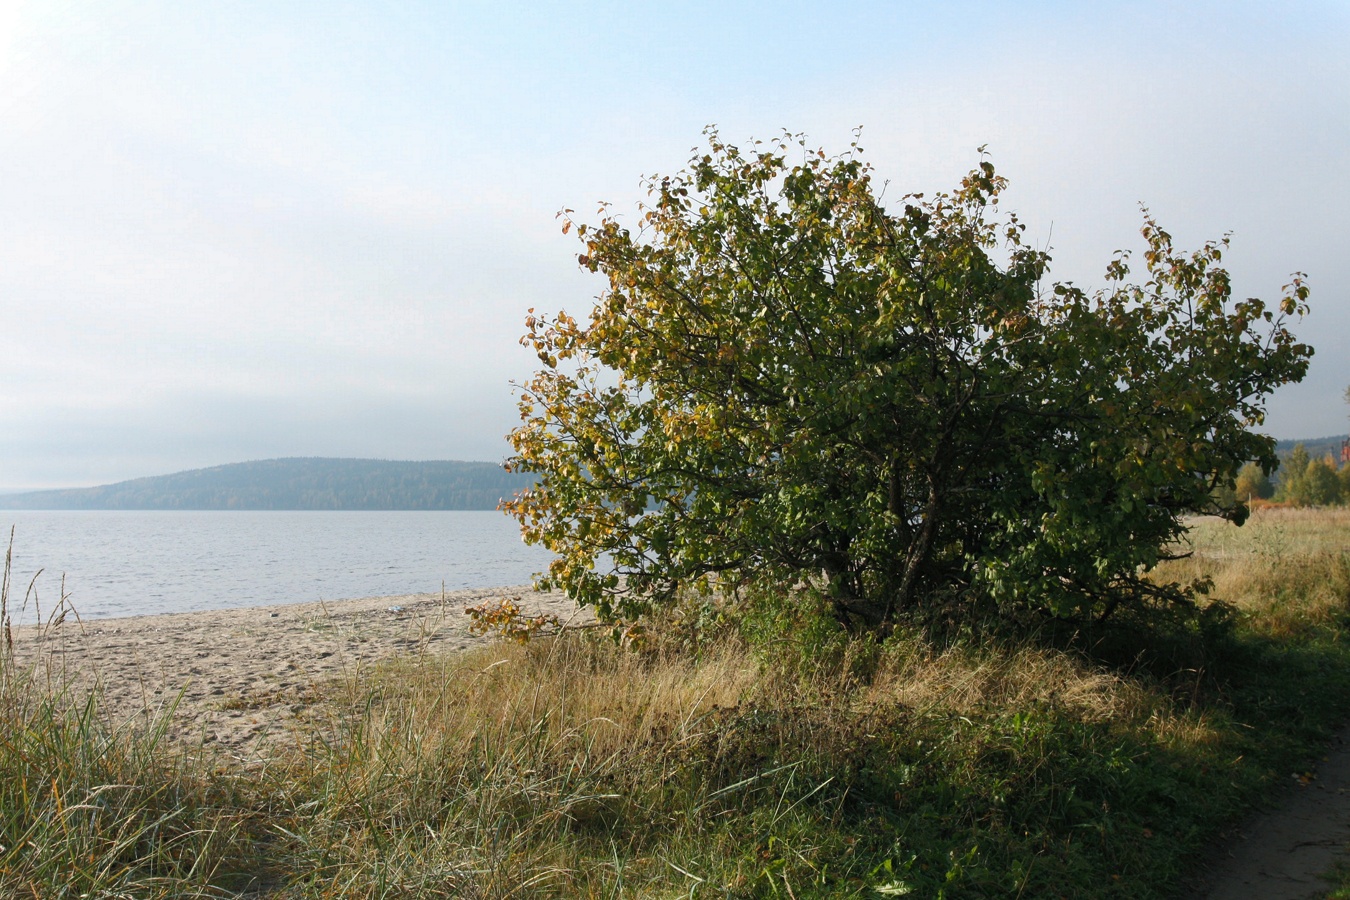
241,679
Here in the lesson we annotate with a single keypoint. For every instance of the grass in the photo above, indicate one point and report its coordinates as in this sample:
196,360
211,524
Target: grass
573,768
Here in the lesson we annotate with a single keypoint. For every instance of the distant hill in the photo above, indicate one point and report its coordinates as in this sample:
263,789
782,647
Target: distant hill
297,483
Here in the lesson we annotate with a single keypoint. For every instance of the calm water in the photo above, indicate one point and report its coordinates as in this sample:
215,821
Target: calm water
127,563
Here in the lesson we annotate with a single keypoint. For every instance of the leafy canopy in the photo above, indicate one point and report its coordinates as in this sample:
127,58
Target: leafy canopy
1305,481
788,383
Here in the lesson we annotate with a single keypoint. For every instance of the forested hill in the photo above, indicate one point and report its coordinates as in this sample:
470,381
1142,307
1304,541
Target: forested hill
309,483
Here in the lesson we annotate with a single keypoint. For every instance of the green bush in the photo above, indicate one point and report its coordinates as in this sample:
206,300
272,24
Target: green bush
786,382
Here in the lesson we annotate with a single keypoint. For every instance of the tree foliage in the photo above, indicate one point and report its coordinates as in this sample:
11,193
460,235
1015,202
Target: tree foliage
1253,483
1293,476
1321,485
1305,481
787,382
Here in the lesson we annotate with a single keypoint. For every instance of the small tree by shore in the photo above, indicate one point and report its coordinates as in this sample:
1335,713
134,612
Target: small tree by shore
789,382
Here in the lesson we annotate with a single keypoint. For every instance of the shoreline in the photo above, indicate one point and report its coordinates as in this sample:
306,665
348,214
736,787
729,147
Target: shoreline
233,679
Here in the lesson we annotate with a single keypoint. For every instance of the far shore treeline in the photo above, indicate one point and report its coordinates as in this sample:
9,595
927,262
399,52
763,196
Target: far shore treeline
298,484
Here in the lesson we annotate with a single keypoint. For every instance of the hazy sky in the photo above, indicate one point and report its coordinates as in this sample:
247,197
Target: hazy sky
240,230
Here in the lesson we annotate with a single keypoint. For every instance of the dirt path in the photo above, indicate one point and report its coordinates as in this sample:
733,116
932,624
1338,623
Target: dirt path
1282,852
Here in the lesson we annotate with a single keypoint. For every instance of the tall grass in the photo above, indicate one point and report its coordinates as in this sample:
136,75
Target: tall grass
571,767
93,811
1286,571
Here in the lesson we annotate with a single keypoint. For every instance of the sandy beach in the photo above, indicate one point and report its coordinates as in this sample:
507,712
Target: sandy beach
243,677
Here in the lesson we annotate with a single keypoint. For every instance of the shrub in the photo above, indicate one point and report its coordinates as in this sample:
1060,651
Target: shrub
787,382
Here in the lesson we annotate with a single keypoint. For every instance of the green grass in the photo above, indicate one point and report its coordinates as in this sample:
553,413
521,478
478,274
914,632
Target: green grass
1338,880
574,768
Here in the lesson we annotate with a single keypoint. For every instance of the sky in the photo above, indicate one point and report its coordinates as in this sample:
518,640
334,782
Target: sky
241,230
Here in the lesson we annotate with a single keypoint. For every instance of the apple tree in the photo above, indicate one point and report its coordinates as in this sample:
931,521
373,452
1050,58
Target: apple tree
788,382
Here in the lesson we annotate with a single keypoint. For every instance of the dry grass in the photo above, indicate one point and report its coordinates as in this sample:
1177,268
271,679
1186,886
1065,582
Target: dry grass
1286,570
967,682
620,698
572,767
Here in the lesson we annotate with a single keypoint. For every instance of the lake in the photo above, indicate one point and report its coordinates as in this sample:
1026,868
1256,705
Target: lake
129,563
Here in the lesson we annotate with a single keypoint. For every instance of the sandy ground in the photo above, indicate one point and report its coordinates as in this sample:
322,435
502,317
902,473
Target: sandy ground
237,678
